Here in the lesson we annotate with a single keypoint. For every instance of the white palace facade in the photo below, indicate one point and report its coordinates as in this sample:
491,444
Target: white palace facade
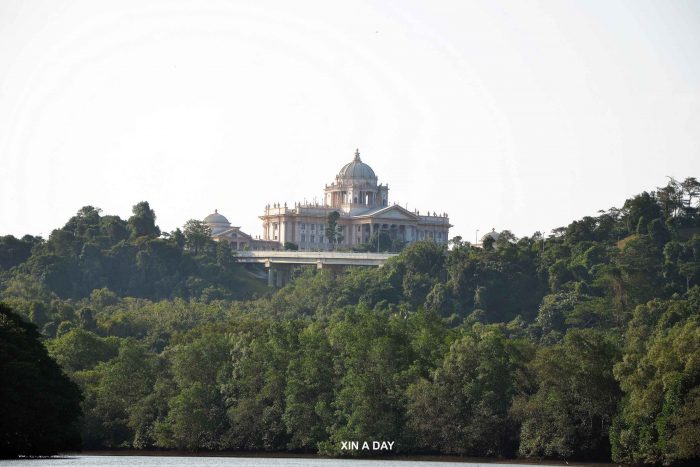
364,208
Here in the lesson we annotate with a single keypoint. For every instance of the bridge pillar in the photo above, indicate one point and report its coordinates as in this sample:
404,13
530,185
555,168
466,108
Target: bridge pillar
278,275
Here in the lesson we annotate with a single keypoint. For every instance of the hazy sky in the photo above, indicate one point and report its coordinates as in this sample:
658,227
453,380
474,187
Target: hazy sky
517,115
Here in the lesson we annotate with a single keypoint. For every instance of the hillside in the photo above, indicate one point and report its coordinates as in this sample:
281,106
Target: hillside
580,345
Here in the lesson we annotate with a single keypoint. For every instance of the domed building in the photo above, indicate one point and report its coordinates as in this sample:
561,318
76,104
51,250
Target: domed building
493,234
491,237
364,208
222,230
355,188
217,223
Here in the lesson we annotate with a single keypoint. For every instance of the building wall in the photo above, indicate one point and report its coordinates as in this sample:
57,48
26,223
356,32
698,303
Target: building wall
307,230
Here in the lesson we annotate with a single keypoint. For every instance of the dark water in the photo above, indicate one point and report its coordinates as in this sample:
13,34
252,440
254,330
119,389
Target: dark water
181,461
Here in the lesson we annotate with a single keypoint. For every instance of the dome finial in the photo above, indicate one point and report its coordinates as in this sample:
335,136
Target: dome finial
357,155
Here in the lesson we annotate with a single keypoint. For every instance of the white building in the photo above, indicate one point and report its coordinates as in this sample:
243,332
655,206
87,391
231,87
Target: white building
364,208
222,230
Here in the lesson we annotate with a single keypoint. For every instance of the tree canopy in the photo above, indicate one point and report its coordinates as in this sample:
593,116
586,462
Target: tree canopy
579,345
40,406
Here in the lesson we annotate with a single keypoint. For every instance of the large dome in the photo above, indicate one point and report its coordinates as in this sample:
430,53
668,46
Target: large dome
217,223
357,170
216,218
493,234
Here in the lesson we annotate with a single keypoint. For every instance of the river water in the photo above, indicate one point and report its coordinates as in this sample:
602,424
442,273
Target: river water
182,461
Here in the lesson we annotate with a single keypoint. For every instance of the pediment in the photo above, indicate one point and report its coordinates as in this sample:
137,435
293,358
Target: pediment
395,212
234,233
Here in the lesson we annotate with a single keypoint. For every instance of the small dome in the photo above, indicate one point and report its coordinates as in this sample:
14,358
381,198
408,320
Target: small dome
357,170
216,218
493,234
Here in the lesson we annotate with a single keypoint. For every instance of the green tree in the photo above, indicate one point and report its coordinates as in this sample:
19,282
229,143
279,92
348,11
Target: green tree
644,205
197,235
373,355
658,232
117,396
195,419
143,221
197,413
334,232
550,322
379,241
309,392
660,376
40,406
257,387
576,397
464,408
640,263
79,350
14,251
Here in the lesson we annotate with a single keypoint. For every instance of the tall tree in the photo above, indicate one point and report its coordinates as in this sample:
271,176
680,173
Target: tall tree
143,221
197,235
334,232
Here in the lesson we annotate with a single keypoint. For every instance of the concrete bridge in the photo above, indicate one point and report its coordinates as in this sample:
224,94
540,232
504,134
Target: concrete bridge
279,263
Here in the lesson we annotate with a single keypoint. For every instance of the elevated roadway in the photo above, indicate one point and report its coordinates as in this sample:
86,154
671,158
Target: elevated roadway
278,263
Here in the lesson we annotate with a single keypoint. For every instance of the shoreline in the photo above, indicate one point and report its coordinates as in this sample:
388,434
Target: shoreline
291,455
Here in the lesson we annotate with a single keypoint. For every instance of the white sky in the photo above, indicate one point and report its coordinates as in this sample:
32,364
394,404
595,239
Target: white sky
517,115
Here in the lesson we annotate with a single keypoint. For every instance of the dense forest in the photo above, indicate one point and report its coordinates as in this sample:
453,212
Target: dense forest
582,344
